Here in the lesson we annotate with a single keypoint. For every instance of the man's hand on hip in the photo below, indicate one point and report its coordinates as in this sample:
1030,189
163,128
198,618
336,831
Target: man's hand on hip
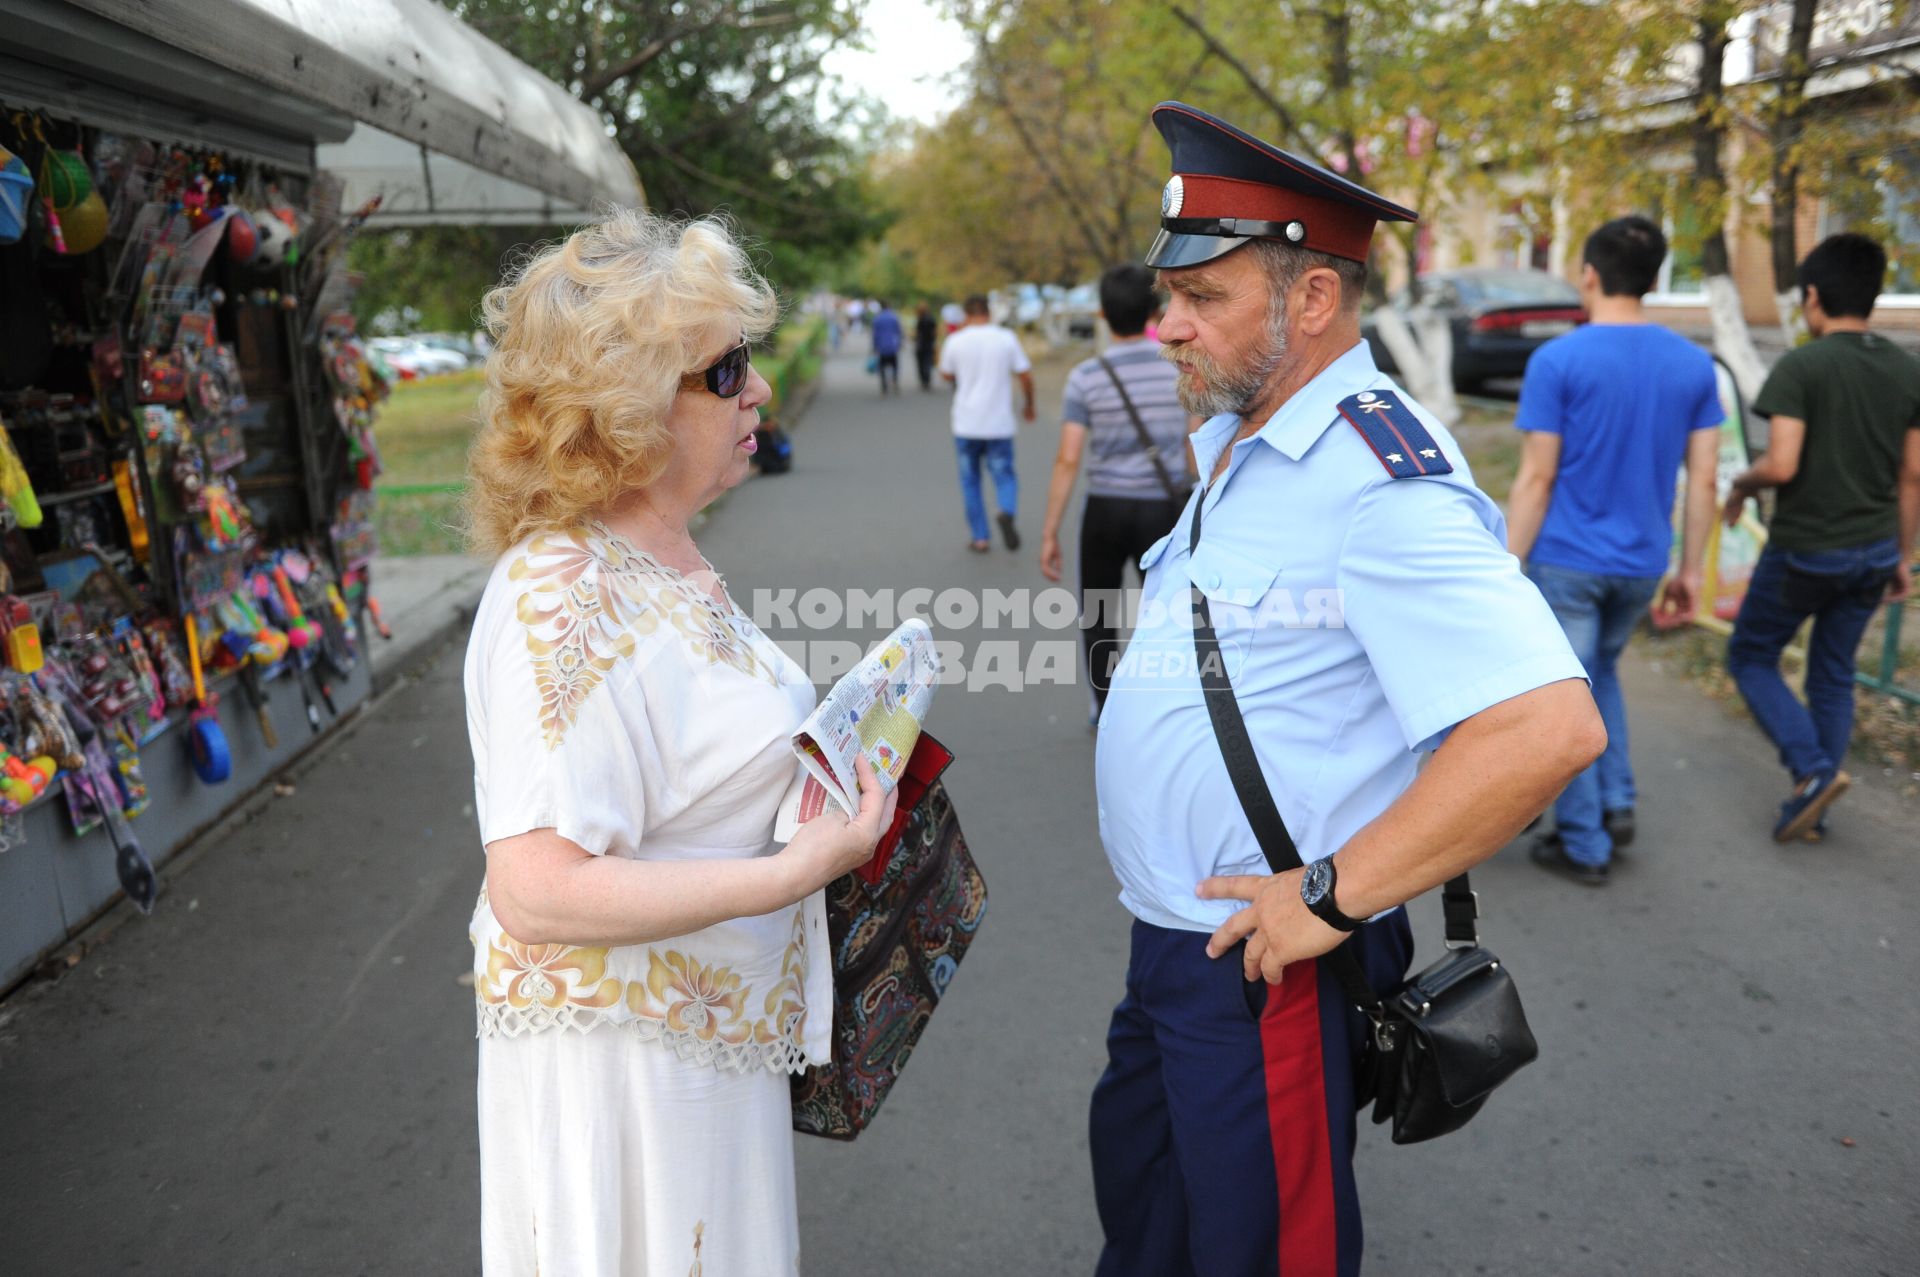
1276,924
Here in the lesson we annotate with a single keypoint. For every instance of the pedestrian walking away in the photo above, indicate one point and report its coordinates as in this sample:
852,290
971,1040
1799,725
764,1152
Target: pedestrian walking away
982,361
926,335
1122,411
886,347
1610,411
628,727
1367,611
1843,454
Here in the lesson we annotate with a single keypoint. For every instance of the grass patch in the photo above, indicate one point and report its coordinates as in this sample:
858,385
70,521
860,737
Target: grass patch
425,428
1492,445
419,523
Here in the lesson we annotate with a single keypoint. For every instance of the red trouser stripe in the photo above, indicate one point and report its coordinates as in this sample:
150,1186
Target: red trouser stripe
1297,1124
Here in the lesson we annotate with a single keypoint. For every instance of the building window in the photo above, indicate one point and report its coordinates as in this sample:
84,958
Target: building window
1883,201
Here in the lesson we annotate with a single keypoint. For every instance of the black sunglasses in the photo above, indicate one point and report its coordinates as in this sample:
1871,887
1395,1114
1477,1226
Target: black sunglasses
725,376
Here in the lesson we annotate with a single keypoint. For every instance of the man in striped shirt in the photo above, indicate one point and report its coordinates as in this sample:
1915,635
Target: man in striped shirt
1132,501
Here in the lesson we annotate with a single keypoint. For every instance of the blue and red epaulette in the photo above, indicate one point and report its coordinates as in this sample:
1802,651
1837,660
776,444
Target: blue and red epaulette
1395,434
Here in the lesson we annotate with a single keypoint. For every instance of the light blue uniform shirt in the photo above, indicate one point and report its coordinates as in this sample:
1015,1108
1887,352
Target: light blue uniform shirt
1360,617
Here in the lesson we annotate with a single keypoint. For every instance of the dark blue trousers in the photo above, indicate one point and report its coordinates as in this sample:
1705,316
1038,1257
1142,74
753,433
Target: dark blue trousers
1223,1128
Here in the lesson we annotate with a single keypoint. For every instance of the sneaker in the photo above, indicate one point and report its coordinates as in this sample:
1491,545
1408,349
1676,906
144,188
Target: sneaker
1818,833
1011,533
1550,855
1809,803
1619,826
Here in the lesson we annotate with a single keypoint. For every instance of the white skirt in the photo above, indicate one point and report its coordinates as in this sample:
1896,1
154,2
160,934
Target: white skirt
605,1156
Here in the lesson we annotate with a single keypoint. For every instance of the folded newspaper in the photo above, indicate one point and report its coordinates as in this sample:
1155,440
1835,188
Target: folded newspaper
876,709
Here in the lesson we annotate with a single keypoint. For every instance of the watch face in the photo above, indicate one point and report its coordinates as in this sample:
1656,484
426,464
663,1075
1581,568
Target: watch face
1313,888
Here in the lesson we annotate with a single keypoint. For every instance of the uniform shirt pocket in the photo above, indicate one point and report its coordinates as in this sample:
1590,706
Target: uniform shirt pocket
1230,579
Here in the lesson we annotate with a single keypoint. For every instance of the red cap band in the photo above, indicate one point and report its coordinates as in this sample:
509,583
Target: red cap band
1332,227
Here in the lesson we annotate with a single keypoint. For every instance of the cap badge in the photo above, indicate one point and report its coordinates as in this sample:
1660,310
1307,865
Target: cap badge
1172,197
1296,232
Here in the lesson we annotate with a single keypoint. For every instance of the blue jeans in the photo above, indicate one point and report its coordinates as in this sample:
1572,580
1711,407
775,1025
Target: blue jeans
1006,487
1840,590
1598,613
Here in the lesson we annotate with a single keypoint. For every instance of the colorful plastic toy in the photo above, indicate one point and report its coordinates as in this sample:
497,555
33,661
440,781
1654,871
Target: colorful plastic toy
212,761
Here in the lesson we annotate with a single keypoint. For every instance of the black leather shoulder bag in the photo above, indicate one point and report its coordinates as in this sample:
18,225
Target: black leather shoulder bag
1446,1038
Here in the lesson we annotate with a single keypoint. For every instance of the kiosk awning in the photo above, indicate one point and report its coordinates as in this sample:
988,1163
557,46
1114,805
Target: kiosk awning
445,123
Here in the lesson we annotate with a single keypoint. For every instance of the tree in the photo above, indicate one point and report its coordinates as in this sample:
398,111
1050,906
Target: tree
1731,337
720,106
1786,127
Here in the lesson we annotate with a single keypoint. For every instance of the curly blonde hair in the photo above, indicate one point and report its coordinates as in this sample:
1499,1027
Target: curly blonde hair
591,338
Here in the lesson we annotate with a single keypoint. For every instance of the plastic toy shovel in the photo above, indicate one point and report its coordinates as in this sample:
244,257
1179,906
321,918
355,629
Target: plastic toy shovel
212,762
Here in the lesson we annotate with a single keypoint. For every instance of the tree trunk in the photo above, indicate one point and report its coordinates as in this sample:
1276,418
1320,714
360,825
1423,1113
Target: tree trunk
1731,336
1423,352
1789,111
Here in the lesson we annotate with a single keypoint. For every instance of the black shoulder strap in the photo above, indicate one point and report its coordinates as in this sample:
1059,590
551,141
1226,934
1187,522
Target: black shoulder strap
1263,815
1140,427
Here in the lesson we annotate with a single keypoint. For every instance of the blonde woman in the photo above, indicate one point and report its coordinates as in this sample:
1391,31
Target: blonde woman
648,967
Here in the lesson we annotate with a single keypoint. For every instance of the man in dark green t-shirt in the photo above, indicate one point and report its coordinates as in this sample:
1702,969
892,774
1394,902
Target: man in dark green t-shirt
1844,454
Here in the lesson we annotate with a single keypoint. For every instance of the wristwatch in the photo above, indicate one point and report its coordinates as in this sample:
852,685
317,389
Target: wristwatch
1316,891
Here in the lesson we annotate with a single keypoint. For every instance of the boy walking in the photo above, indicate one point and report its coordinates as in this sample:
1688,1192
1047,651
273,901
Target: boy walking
1610,411
1844,454
982,360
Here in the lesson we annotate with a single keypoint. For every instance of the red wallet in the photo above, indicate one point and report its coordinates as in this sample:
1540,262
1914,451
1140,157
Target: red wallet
924,765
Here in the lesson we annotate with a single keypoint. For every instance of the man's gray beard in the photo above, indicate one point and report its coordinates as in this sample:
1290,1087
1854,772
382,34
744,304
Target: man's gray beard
1239,393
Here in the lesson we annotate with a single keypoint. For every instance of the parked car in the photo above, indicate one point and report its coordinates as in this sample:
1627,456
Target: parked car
1499,318
412,358
1082,309
454,344
1016,305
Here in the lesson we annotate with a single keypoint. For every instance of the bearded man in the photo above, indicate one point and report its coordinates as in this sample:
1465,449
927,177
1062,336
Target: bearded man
1367,612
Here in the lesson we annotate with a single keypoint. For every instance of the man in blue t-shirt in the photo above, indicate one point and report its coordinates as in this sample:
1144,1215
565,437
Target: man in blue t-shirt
1610,411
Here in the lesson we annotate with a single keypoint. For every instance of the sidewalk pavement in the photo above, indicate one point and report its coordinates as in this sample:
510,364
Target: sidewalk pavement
274,1073
426,600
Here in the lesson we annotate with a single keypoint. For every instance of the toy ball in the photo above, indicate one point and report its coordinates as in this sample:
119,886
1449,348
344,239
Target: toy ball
242,240
68,181
84,226
274,241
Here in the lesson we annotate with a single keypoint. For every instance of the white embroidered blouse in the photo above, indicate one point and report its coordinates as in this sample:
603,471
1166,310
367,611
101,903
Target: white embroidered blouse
614,701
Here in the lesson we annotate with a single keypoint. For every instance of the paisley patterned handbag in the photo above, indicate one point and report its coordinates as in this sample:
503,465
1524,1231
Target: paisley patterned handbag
899,926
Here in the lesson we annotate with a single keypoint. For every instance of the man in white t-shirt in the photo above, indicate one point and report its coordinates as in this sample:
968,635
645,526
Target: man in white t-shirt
981,360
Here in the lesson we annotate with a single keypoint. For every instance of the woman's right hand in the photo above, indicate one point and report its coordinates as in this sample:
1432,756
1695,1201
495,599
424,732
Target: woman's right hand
830,844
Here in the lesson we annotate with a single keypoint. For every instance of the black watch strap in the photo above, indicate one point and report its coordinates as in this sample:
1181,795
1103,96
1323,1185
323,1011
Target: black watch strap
1324,907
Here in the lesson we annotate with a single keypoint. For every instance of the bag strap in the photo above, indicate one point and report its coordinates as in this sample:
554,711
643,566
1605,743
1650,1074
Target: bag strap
1140,428
1458,900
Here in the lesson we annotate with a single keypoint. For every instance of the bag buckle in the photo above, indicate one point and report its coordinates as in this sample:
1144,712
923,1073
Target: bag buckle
1386,1034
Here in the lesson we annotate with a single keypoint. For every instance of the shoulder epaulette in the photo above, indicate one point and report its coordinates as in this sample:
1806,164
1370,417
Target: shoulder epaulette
1395,434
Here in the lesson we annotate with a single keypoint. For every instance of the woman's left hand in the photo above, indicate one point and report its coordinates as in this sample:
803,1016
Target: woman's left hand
830,844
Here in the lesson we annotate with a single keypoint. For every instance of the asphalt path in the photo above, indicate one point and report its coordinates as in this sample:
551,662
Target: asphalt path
274,1073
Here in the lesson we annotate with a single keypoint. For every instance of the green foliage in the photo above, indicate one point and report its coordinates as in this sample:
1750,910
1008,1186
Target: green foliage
430,278
719,107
